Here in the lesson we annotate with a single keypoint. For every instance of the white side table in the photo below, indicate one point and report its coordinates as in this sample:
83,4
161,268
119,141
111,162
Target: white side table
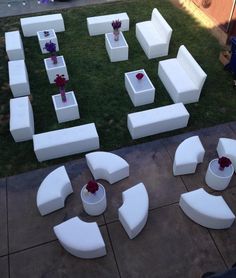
94,204
141,91
66,111
117,50
54,69
46,39
217,179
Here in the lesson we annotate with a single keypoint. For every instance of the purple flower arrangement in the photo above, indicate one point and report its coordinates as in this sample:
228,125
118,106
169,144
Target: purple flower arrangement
51,47
116,24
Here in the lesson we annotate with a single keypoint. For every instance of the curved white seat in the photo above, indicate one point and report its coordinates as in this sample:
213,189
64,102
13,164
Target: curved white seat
188,154
107,166
207,210
134,211
53,191
80,238
227,147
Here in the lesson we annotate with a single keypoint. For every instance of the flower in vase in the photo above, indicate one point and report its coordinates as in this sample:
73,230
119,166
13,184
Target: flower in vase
92,186
139,75
60,83
46,33
224,162
116,24
50,47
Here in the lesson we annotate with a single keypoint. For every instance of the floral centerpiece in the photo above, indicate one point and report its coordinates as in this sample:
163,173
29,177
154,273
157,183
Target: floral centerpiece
139,75
92,186
51,47
61,82
224,162
116,24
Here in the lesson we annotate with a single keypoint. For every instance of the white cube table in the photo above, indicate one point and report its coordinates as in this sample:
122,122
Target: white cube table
21,119
117,50
46,39
14,46
54,69
66,111
140,91
18,78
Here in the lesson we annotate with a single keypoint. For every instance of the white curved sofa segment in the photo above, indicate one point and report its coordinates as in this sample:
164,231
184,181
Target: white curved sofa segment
81,239
227,147
207,210
134,211
107,166
188,154
53,191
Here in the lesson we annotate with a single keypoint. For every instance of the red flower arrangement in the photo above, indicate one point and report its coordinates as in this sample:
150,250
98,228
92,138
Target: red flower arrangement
61,82
92,186
139,75
224,162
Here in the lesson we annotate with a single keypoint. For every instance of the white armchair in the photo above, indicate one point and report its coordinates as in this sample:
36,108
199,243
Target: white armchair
182,77
154,35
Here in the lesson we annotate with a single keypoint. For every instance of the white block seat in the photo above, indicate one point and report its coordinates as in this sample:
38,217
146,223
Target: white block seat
154,35
98,25
227,147
81,239
14,46
107,166
182,77
157,120
188,154
18,78
53,191
31,25
207,210
21,119
67,141
134,211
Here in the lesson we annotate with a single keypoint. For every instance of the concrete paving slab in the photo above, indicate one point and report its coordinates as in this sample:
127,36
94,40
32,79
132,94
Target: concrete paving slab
170,245
52,261
3,218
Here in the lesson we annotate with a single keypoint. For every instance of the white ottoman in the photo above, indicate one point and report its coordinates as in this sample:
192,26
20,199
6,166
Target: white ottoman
14,46
21,119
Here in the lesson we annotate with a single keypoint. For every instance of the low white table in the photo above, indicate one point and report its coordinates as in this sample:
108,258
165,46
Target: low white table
217,179
140,91
66,111
43,39
117,50
54,69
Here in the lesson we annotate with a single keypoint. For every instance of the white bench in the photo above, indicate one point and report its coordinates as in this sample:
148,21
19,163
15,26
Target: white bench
182,77
18,78
107,166
81,239
188,154
14,46
21,119
154,35
31,25
207,210
98,25
157,120
227,147
134,211
67,141
53,191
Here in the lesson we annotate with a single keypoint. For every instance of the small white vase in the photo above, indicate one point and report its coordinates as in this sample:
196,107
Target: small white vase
94,204
218,179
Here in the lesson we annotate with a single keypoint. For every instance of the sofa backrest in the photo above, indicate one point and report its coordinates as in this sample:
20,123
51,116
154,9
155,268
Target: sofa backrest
192,68
163,28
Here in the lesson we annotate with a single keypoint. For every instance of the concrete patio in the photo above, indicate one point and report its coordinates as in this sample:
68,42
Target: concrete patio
171,245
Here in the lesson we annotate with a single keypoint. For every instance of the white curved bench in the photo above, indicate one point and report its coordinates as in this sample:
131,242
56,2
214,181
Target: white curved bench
81,239
188,154
227,147
53,191
207,210
107,166
134,211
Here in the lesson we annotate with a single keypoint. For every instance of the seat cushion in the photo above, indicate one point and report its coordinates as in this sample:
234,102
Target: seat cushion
177,76
150,33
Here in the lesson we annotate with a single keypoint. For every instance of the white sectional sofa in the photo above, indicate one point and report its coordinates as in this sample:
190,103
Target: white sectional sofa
182,77
154,35
14,46
227,147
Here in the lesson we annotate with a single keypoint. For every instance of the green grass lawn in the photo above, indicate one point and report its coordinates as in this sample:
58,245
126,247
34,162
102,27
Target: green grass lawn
99,84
